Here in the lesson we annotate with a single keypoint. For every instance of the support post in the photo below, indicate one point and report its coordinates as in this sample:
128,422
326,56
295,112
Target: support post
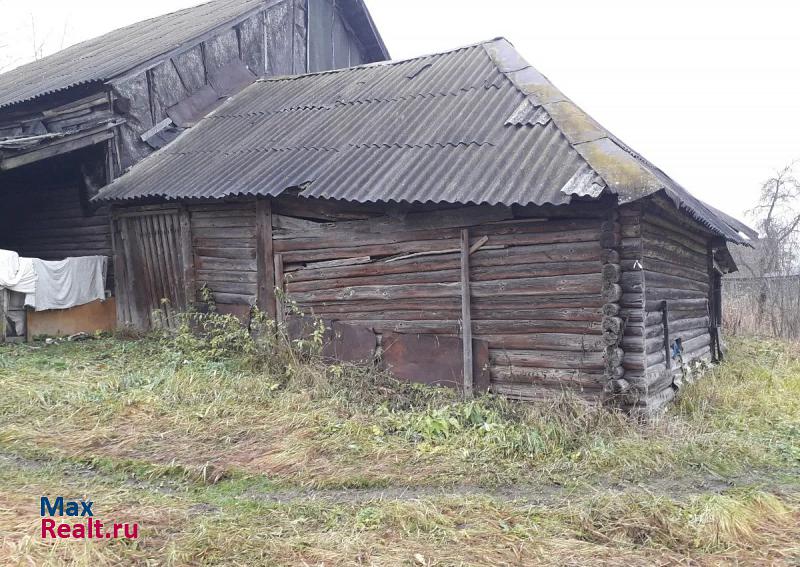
265,258
280,315
665,322
466,315
3,311
187,256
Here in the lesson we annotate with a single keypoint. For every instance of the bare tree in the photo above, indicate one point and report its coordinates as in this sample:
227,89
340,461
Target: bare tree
777,217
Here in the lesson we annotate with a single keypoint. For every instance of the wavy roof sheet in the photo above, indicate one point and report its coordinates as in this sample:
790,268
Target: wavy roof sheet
473,125
110,55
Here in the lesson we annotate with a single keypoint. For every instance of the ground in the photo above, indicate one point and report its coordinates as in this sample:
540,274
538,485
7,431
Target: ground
227,453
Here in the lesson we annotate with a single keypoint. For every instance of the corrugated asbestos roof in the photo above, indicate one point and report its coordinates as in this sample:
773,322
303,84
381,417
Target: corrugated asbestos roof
473,125
113,54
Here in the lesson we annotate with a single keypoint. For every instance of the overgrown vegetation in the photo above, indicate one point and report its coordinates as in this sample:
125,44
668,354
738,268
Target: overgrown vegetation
233,450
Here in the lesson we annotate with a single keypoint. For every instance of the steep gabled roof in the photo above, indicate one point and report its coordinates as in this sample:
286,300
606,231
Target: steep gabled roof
115,53
473,125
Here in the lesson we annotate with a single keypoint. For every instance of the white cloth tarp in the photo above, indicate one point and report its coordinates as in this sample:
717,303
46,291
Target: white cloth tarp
69,283
17,274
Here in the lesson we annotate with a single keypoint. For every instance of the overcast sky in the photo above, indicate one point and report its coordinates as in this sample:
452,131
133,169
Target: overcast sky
708,91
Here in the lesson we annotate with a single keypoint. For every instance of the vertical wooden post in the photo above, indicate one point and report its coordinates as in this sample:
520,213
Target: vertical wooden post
712,307
665,322
280,315
119,274
187,256
466,315
265,258
3,311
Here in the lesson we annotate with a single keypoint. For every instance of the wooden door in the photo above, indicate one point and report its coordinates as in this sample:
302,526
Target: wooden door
153,259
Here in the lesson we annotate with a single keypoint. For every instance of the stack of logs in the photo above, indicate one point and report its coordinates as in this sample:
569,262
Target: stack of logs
613,324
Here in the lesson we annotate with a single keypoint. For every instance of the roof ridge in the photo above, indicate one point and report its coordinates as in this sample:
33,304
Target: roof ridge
374,64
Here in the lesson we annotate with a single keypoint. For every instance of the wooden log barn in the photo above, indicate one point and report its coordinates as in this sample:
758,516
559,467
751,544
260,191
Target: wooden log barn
454,214
75,120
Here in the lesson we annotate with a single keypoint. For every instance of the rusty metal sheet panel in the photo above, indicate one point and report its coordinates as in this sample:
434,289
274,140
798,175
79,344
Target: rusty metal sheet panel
424,359
434,360
350,343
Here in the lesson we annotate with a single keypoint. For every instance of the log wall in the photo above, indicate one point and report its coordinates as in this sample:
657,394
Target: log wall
45,212
535,282
224,245
665,259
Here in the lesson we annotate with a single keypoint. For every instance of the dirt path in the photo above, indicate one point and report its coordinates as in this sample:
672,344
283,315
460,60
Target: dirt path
534,495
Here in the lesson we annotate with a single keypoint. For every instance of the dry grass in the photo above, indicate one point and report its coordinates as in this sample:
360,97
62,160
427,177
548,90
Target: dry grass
229,460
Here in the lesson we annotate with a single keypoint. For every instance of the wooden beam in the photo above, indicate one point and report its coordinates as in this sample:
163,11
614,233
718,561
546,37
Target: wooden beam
665,323
466,315
64,145
280,315
265,258
187,256
3,309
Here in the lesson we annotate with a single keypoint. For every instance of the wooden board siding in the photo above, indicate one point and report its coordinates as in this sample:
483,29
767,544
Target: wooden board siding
151,269
271,42
224,245
535,286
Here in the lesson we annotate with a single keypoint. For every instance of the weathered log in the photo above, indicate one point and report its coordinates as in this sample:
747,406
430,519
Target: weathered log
611,309
657,279
613,357
612,326
679,304
674,253
551,376
667,222
484,306
610,256
444,276
563,255
610,239
611,273
653,292
548,359
546,341
611,293
632,282
546,393
522,286
483,327
617,386
654,232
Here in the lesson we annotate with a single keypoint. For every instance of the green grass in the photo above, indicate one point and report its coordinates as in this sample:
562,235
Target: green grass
228,452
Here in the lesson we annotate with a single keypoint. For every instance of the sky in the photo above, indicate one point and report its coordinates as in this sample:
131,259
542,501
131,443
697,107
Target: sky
708,91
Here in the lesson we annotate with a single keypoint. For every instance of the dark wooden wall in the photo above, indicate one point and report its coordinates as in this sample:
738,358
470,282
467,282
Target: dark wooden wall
565,298
666,258
535,279
287,38
45,211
